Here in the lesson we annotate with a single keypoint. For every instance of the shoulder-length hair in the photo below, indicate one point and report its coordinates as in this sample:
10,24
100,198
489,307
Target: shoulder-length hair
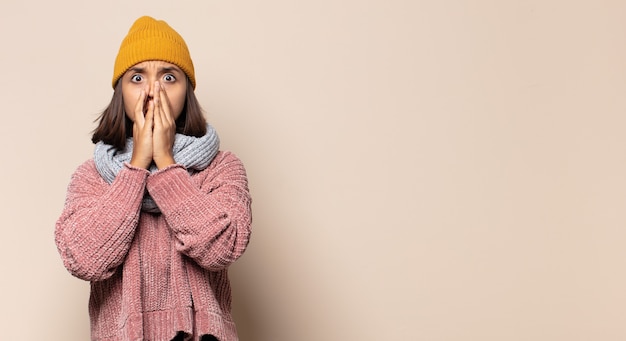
114,127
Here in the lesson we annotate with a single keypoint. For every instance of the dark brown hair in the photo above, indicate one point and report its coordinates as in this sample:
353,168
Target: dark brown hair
114,127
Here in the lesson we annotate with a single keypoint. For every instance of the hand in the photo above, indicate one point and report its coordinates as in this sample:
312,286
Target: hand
164,130
142,132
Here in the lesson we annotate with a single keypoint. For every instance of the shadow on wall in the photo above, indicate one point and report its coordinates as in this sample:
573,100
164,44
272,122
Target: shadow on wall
259,287
73,295
245,315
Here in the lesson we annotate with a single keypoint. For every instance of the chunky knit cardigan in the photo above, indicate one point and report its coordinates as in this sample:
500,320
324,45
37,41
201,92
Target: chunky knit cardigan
153,275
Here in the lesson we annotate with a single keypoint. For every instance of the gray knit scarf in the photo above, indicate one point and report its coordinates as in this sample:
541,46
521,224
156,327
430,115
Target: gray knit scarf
194,153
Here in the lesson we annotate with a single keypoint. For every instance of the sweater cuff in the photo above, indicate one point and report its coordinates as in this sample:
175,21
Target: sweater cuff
136,169
132,175
170,186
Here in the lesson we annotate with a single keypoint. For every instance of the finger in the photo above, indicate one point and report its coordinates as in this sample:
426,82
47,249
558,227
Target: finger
149,118
139,108
165,105
158,110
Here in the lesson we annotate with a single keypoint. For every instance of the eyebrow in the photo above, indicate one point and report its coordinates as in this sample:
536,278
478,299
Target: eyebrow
169,69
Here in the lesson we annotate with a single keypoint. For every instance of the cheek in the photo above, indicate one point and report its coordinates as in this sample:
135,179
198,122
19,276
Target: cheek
177,103
130,101
128,109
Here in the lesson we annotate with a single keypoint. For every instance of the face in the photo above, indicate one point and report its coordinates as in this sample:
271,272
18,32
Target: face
144,75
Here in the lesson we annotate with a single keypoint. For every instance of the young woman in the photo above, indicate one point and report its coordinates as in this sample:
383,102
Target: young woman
154,220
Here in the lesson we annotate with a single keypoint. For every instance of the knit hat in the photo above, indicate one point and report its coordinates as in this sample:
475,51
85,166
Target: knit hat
150,39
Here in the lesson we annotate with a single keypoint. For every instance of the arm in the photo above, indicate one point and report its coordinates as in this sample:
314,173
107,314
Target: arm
210,219
97,225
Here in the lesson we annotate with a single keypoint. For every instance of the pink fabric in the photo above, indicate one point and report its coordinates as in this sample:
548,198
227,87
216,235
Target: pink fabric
154,275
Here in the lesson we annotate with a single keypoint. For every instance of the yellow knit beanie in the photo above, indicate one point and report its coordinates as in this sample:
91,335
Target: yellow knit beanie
150,39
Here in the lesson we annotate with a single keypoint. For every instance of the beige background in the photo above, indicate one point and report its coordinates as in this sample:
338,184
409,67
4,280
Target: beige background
421,170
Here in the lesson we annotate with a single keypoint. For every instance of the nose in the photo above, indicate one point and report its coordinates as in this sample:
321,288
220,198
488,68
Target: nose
152,88
149,90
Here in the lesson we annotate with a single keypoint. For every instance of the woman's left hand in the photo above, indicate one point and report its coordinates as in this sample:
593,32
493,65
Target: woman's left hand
164,129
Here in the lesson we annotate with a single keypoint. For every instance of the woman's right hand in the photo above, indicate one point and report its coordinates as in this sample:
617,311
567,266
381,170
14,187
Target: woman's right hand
142,132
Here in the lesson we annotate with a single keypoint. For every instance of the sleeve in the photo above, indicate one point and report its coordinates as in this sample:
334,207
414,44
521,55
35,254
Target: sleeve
211,218
98,222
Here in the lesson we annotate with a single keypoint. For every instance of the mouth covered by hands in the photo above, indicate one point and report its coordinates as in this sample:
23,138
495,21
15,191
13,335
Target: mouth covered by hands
154,129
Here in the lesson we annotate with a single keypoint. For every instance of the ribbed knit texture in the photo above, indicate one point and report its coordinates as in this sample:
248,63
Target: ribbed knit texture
151,39
154,275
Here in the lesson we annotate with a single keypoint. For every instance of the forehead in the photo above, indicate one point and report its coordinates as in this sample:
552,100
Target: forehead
155,65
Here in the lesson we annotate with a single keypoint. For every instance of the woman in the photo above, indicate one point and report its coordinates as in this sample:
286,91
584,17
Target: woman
154,220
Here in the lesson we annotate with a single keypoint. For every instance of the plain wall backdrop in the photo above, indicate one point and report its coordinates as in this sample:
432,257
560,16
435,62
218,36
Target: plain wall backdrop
421,170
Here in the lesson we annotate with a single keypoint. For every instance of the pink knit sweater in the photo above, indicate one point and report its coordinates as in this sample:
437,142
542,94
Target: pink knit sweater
154,275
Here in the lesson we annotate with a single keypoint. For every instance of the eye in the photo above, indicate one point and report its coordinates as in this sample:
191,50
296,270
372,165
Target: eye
136,78
169,78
